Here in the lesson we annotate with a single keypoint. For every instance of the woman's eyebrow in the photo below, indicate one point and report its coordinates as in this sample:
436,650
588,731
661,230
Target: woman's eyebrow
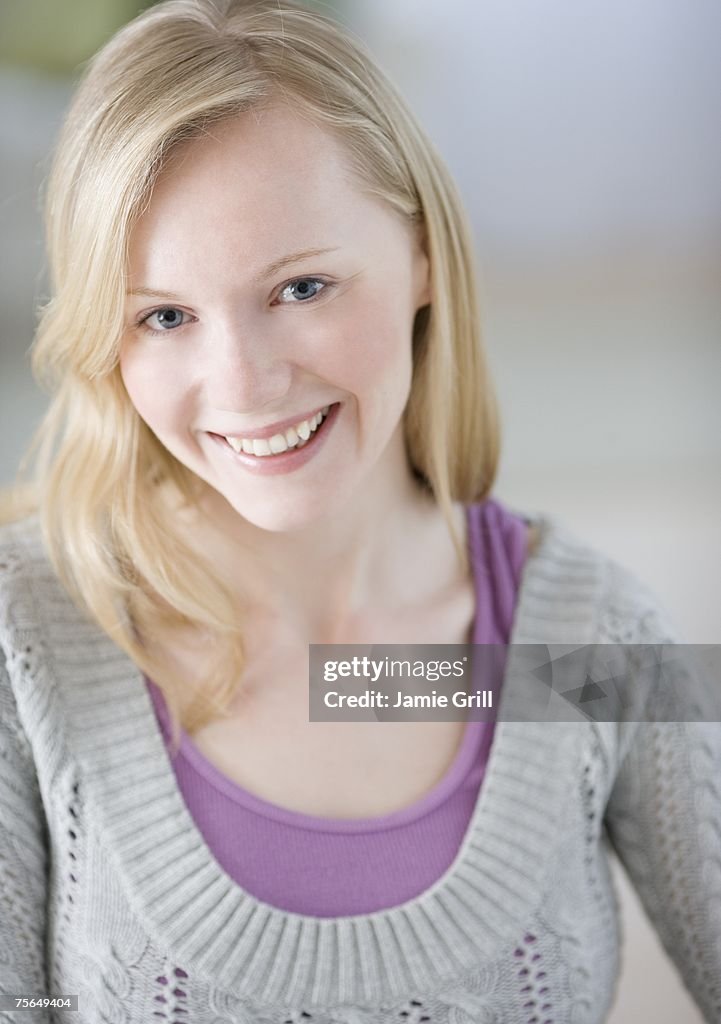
294,257
151,293
269,271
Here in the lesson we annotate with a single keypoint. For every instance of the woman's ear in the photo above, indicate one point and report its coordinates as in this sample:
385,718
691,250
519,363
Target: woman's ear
422,279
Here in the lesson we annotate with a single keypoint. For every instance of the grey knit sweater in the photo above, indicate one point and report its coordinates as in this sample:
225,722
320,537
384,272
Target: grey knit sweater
109,892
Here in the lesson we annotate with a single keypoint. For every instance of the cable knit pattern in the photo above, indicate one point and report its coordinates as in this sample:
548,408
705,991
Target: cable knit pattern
108,890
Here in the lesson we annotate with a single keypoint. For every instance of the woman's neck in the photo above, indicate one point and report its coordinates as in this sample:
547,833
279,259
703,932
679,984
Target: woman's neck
384,548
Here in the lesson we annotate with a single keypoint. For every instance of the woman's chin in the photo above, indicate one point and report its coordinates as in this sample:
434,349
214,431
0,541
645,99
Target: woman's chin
285,516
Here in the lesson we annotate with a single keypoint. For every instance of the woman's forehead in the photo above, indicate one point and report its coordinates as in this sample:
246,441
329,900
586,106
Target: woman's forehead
255,152
262,184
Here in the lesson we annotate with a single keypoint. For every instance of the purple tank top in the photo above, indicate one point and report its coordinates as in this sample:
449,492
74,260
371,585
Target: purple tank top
302,864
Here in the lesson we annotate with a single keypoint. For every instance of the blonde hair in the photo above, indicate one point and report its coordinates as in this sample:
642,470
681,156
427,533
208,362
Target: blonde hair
167,75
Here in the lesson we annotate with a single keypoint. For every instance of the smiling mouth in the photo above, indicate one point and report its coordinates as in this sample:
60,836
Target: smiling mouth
280,444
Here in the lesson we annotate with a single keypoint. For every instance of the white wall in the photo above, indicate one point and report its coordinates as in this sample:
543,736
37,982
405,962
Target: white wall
30,112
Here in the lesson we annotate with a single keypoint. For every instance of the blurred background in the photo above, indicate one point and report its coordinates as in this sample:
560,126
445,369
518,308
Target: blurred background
585,141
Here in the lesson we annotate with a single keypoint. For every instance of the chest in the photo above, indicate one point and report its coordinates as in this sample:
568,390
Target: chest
335,769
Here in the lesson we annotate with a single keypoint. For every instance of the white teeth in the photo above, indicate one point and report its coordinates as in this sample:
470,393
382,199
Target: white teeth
278,443
292,438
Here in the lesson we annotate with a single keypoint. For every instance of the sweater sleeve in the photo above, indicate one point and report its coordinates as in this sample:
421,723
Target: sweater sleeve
23,864
663,819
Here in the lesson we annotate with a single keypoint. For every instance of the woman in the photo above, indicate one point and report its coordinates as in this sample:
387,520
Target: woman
224,478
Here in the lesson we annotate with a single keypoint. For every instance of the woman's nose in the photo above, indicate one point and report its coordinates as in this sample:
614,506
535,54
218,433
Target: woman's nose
248,369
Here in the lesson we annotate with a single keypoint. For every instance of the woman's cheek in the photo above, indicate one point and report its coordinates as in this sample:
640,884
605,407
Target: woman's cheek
136,378
152,388
365,344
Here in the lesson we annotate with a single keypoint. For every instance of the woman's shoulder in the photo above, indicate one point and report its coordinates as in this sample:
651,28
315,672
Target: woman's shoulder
18,540
18,534
23,558
20,552
40,630
620,605
33,602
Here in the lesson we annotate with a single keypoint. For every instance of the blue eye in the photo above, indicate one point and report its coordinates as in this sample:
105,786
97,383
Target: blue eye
303,291
168,317
165,319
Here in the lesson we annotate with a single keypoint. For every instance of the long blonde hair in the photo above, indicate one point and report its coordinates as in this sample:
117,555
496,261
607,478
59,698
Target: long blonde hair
167,75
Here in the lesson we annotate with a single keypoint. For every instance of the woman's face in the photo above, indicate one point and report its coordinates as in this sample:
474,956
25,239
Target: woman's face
218,343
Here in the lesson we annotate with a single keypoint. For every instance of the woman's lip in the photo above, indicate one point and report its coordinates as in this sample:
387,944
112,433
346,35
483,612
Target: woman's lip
283,462
276,428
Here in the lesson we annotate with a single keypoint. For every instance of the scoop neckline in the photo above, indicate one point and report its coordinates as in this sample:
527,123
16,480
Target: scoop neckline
476,739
